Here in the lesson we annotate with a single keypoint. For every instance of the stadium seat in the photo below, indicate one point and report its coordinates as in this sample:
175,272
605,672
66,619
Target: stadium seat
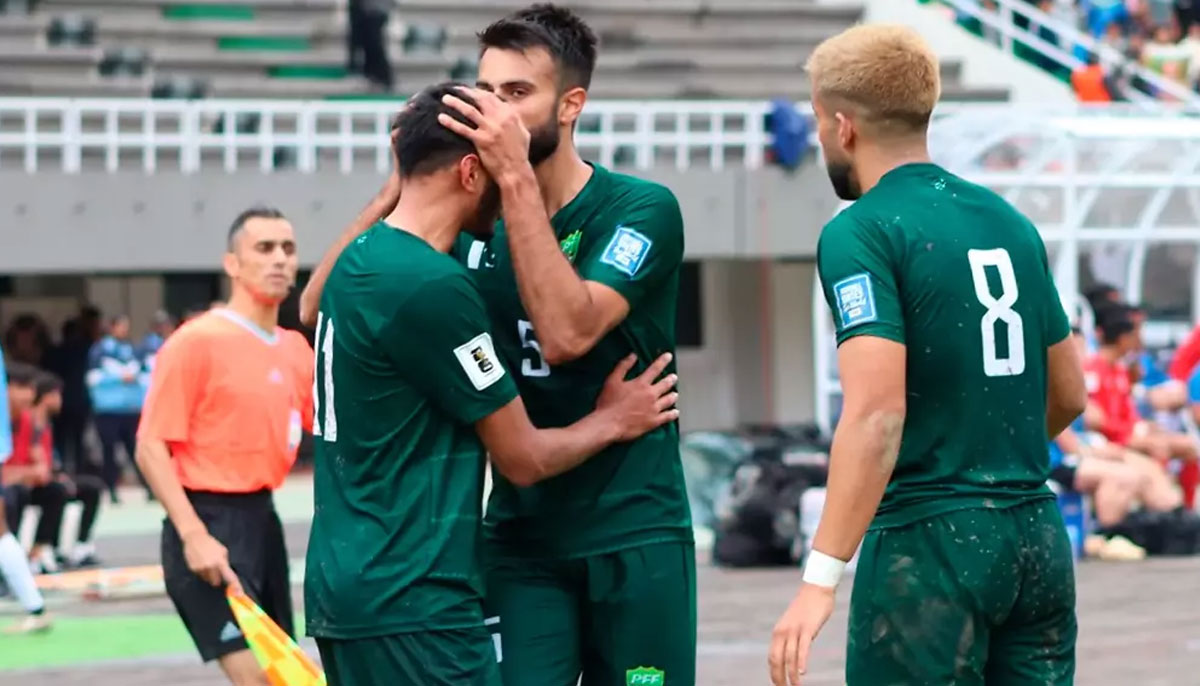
124,62
178,88
424,38
71,29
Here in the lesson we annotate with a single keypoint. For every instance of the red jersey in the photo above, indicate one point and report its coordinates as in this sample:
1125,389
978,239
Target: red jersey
1109,386
1186,357
24,438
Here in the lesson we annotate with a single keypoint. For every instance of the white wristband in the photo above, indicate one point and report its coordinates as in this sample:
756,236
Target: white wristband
823,570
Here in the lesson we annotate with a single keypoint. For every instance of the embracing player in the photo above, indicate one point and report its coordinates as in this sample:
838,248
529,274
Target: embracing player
410,391
956,365
591,572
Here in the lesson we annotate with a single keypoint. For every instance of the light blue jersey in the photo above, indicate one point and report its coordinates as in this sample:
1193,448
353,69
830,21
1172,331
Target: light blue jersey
113,377
6,446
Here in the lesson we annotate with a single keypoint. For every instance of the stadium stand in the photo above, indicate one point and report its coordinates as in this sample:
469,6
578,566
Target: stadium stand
282,48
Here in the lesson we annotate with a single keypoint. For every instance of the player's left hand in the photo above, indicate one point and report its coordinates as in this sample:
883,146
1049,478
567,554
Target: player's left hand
499,136
795,631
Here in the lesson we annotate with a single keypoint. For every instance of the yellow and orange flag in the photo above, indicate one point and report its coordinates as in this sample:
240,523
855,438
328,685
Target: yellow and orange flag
283,661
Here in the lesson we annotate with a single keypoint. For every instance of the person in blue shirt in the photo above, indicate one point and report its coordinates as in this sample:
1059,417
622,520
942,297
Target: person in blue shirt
162,326
16,395
115,385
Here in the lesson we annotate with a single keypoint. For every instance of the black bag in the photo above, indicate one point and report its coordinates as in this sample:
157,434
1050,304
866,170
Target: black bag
759,518
1162,533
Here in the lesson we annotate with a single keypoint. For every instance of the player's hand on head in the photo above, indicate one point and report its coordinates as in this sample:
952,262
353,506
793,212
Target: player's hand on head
209,560
498,134
643,403
794,633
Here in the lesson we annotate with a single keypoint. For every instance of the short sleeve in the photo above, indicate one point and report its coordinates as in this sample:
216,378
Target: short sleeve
643,248
441,338
858,276
175,386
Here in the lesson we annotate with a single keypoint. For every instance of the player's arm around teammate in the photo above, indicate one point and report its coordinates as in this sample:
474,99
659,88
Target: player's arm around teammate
380,206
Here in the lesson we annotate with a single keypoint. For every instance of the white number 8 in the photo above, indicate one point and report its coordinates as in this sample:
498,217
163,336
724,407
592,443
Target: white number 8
998,310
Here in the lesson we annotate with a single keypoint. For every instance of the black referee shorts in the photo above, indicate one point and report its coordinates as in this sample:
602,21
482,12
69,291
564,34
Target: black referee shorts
246,524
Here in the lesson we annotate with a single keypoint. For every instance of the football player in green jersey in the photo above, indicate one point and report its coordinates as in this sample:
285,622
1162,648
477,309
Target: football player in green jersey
409,391
590,573
956,366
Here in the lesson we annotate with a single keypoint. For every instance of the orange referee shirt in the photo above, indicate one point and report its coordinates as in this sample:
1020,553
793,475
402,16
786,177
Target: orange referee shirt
230,400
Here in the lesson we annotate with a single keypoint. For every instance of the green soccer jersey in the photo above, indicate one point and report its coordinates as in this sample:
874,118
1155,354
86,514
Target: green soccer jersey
625,233
405,365
959,277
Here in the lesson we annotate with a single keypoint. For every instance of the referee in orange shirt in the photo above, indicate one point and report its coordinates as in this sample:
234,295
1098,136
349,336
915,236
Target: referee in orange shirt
229,397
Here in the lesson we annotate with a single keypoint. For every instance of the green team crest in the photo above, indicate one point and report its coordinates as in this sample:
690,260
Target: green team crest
570,245
645,676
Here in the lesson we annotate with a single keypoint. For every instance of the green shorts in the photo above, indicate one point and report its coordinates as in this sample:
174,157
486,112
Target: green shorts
965,598
461,657
626,618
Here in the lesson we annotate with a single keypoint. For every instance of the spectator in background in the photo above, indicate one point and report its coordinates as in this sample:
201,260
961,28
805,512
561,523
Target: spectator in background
84,489
113,379
30,480
367,40
69,360
27,339
1090,83
14,566
160,327
1112,411
1191,47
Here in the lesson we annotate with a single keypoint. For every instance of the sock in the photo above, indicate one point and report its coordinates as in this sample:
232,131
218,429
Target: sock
15,568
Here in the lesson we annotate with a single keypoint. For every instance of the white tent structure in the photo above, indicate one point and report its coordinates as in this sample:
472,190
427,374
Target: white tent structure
1115,194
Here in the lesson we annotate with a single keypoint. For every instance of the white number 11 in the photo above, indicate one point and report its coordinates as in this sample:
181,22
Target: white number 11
998,310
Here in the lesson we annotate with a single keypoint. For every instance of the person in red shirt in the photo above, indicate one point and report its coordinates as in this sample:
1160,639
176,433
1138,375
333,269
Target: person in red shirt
230,396
1187,356
29,480
1112,410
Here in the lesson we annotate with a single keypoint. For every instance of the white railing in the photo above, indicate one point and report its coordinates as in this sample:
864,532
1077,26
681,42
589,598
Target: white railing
1089,178
1003,22
187,136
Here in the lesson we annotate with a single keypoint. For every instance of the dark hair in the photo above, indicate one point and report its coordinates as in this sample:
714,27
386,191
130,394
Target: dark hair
21,374
561,32
239,222
1114,321
1100,294
423,145
46,383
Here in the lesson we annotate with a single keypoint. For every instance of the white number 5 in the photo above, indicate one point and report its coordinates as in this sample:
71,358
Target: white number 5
999,309
536,366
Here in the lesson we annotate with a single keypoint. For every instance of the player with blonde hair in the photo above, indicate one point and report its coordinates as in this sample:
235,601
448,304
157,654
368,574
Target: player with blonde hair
953,378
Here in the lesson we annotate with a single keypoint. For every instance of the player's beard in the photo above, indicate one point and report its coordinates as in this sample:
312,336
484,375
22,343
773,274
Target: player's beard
483,224
844,180
543,140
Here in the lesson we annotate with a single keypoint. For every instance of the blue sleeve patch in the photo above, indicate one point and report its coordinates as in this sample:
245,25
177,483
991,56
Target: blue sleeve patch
855,300
626,251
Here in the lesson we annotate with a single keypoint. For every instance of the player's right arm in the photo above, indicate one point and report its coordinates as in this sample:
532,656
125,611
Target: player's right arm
1066,392
452,360
625,410
175,385
379,207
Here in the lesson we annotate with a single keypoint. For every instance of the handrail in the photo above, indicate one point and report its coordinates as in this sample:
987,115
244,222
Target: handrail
1004,22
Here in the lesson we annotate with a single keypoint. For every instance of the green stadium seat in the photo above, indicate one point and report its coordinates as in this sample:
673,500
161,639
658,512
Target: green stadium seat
124,61
179,88
71,29
424,38
464,70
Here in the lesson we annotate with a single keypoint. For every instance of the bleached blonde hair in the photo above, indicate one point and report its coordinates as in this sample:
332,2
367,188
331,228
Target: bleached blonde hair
886,72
